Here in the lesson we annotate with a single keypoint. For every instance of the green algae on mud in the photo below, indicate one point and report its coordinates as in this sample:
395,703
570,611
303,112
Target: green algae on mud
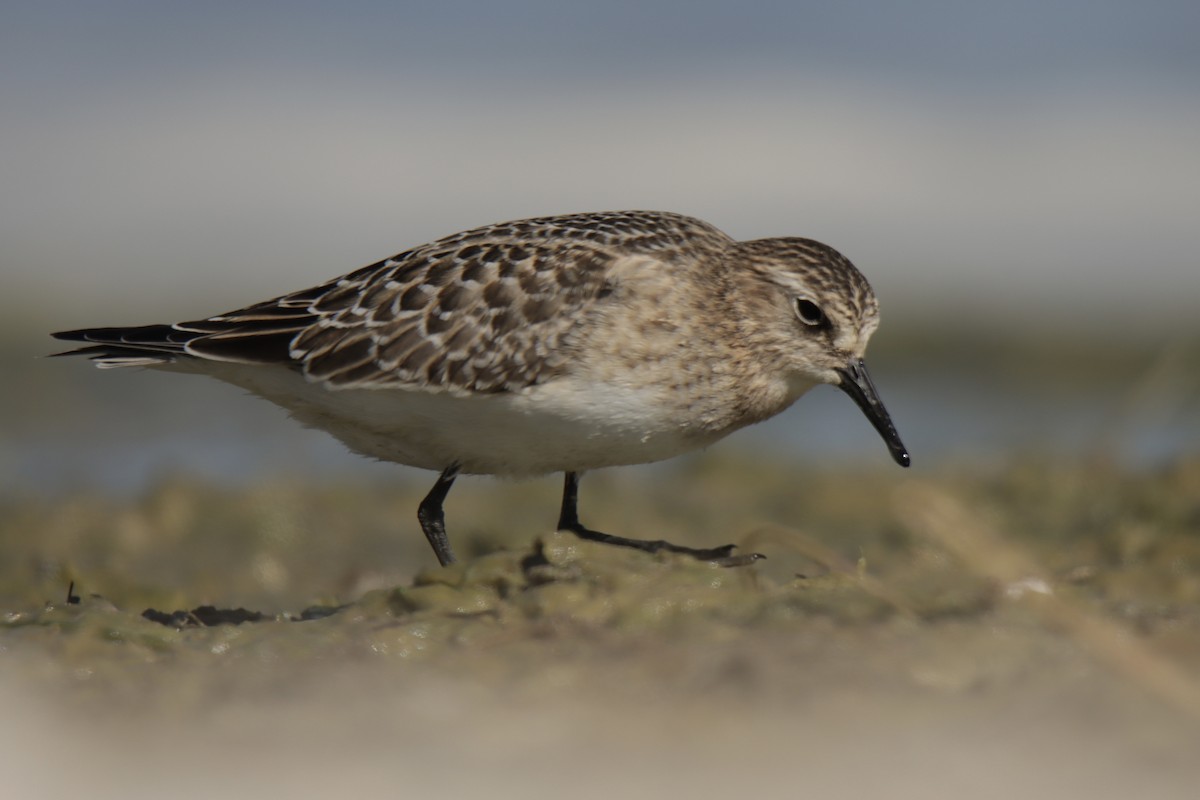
294,544
1122,545
869,631
561,583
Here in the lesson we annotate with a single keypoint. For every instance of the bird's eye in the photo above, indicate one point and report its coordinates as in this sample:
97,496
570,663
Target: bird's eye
810,313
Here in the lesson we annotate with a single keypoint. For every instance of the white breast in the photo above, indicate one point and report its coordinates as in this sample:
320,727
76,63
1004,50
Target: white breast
563,425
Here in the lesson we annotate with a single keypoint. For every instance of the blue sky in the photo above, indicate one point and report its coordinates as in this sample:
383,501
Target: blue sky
171,159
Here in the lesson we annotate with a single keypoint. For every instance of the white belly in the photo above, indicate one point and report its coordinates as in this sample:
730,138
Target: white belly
559,426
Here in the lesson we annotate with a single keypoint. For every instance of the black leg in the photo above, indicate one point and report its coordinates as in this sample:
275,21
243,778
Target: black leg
568,517
433,521
568,520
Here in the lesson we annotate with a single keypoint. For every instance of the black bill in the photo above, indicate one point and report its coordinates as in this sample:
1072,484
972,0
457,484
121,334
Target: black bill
857,383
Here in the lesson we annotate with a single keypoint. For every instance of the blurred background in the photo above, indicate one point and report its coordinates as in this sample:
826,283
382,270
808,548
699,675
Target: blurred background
1020,181
1017,615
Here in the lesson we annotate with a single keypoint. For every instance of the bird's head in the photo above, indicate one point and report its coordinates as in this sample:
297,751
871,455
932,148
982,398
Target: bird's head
815,312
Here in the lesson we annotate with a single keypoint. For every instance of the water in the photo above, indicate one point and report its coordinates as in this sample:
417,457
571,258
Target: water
68,426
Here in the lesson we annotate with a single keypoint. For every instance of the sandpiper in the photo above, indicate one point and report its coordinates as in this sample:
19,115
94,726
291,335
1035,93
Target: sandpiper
555,344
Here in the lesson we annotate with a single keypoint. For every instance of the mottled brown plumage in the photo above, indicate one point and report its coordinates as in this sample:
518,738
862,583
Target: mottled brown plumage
552,344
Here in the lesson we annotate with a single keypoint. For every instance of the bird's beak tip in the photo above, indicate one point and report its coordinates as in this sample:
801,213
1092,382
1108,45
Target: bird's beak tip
855,382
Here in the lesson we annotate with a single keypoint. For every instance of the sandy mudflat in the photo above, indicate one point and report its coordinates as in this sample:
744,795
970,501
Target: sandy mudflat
1032,631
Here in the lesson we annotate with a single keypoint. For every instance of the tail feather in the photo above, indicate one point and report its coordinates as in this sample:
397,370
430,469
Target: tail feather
142,346
159,336
263,340
258,334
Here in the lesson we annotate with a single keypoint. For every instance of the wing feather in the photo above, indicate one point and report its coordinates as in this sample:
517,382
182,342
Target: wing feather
492,309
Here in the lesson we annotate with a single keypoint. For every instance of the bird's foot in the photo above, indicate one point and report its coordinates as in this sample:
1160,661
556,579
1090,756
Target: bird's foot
721,556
